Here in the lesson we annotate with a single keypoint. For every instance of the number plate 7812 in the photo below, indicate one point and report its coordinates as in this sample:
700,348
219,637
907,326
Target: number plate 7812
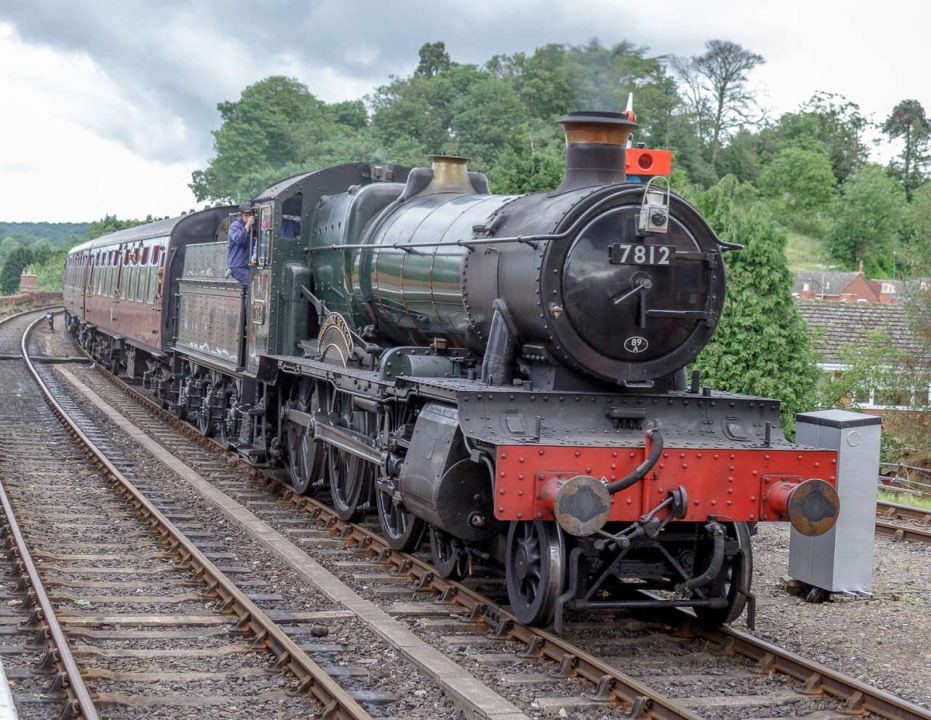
631,254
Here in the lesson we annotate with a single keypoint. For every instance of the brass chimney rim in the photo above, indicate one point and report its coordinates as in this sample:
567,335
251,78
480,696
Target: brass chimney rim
597,127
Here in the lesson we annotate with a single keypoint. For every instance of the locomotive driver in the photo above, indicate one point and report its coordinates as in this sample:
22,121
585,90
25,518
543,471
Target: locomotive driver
238,240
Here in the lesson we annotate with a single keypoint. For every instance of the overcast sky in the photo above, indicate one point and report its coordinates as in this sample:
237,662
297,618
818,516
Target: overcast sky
107,107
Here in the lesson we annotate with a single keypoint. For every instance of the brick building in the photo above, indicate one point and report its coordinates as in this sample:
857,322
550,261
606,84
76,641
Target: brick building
849,287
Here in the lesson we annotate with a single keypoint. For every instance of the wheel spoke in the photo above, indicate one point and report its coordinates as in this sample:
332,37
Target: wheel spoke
534,565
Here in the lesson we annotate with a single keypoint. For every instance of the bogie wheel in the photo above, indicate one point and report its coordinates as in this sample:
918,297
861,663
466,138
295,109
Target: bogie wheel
400,528
351,477
205,419
228,425
448,555
736,571
535,567
305,455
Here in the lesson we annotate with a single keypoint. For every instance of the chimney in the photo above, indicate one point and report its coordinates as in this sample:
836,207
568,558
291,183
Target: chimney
450,174
595,148
28,282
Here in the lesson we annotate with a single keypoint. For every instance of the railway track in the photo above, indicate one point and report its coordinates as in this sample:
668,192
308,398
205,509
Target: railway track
136,619
903,522
468,619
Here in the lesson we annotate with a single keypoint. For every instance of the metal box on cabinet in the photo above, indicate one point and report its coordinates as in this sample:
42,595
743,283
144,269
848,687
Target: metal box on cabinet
841,560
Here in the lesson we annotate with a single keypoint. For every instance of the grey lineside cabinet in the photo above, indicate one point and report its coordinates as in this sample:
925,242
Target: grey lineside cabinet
841,560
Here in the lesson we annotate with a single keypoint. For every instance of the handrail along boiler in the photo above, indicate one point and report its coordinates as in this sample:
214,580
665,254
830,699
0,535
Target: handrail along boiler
501,376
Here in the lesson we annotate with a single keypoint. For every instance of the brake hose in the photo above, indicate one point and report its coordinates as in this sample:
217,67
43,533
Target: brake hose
643,468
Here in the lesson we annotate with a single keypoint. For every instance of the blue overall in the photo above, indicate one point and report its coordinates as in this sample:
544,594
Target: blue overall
237,256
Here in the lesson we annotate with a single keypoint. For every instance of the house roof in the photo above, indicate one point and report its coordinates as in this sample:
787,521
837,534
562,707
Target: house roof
836,325
833,283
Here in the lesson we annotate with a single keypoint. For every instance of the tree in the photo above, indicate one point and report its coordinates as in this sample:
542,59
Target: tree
534,162
412,117
872,217
276,124
918,251
433,59
109,224
840,129
800,185
717,90
915,427
742,157
542,79
909,124
13,268
484,120
761,345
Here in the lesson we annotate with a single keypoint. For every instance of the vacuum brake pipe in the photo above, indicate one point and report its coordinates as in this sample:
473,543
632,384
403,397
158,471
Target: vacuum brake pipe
582,503
656,435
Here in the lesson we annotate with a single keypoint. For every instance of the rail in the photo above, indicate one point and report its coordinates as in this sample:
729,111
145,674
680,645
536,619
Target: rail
609,681
79,702
819,679
337,701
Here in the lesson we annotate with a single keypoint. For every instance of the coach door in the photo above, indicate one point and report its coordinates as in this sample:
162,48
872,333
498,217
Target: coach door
260,288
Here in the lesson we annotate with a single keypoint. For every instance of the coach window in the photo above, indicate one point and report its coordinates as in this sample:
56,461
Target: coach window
143,274
114,271
153,276
133,274
159,273
118,288
98,273
127,276
108,271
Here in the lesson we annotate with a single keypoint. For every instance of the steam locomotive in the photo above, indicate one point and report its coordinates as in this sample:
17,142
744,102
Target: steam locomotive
501,377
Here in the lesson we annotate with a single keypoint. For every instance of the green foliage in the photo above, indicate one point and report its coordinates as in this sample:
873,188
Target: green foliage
57,234
761,345
839,127
909,124
741,158
533,162
276,123
18,260
800,186
111,223
433,59
915,428
918,251
871,219
805,252
922,501
502,116
719,97
893,376
50,271
868,368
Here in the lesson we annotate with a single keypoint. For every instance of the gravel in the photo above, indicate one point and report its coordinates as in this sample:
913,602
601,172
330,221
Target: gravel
884,641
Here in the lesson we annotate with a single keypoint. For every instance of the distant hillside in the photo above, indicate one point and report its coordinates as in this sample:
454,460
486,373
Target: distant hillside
58,234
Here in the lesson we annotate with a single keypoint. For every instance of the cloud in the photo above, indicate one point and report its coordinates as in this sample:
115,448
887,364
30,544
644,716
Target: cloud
140,81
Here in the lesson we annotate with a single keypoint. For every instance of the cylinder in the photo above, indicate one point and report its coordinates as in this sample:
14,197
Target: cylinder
458,502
